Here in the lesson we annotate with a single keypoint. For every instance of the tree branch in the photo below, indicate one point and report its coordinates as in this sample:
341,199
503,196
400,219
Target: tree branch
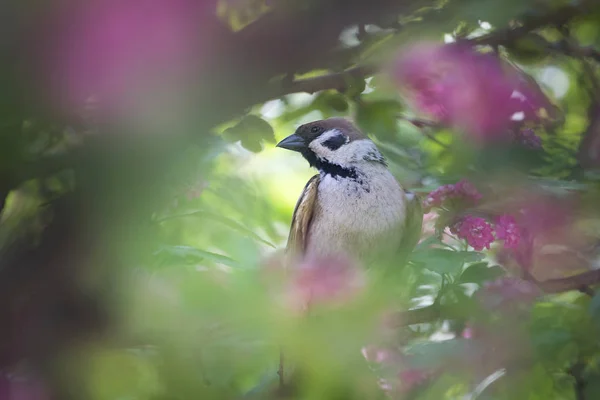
576,282
336,81
557,17
504,36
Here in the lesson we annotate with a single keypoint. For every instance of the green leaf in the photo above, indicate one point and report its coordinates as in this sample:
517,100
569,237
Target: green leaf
592,387
480,272
528,50
335,101
192,254
594,308
432,354
252,131
354,86
445,261
379,117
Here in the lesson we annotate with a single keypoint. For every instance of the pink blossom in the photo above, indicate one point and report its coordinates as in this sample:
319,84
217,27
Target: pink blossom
411,378
468,190
458,86
463,189
114,48
468,333
476,231
381,355
508,230
324,281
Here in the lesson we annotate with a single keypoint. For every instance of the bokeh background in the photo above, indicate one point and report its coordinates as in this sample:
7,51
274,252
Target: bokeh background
144,206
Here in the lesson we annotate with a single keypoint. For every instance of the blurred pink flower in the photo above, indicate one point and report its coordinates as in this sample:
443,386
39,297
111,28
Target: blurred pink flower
413,377
381,355
113,48
475,230
468,190
14,387
548,233
327,281
468,332
508,294
472,91
463,190
508,230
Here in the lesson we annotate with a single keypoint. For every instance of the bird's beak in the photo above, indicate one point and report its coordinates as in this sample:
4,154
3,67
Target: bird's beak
293,142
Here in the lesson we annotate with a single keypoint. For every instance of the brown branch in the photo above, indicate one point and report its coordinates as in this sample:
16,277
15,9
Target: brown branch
575,282
336,81
557,17
504,36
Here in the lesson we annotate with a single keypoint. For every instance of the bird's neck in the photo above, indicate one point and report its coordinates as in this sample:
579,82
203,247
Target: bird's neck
327,168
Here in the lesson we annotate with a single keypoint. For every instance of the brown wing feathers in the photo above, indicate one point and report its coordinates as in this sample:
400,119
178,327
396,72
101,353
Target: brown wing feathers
302,217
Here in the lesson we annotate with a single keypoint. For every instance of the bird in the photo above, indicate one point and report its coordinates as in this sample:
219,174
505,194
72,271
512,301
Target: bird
354,207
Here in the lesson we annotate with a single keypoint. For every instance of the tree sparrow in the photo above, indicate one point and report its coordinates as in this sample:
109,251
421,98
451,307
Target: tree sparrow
354,206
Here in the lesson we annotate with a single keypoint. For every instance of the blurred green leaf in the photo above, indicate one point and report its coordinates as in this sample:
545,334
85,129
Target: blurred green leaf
333,100
378,117
594,308
528,50
433,354
480,272
354,86
252,131
445,261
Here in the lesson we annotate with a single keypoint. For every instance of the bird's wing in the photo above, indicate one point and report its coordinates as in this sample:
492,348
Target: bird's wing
412,225
302,217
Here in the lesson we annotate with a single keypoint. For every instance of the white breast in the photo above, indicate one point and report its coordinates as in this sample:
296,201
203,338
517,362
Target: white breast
360,218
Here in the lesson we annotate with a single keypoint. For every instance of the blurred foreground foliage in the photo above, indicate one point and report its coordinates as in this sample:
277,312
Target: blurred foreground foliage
139,243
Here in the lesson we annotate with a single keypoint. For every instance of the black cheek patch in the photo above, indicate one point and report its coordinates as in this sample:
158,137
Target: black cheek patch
335,142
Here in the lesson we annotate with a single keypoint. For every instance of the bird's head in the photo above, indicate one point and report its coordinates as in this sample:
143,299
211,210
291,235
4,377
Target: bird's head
333,141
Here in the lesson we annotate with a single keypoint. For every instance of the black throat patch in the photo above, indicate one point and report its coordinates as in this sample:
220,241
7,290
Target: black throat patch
335,170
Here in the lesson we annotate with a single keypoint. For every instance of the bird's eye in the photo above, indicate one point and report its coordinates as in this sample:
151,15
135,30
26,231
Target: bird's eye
314,129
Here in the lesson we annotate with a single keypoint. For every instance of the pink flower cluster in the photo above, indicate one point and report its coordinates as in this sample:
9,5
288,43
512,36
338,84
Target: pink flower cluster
471,91
476,231
479,234
508,230
463,190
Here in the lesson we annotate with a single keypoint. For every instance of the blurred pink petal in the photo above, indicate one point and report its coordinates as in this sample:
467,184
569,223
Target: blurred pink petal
508,231
462,190
113,48
476,231
411,378
324,281
460,87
